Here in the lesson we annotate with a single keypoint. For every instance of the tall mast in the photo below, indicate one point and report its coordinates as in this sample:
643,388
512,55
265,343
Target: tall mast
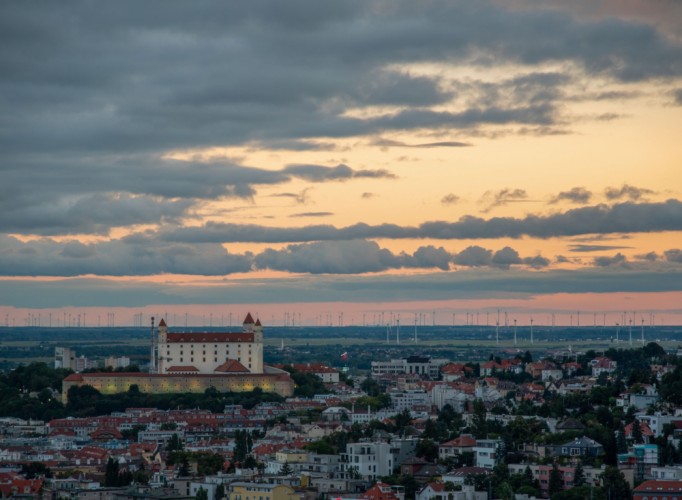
152,361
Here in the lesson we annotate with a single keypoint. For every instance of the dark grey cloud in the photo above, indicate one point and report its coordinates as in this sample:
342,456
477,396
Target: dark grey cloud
474,256
574,195
673,255
350,257
595,248
505,257
135,256
97,213
503,197
536,262
624,217
475,283
386,143
319,173
626,191
143,255
616,260
449,199
93,97
312,214
126,78
300,198
649,256
341,257
83,198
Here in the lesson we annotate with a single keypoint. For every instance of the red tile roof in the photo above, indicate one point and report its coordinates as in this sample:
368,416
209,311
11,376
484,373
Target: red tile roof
461,442
177,369
249,319
162,322
661,487
198,337
232,366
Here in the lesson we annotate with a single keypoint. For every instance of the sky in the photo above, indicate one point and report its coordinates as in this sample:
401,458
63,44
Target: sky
327,162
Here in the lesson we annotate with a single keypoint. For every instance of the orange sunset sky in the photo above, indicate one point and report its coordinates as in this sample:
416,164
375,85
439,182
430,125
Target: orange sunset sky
313,159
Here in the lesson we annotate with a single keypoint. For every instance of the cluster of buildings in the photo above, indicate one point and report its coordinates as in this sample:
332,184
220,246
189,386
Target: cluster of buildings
192,362
78,449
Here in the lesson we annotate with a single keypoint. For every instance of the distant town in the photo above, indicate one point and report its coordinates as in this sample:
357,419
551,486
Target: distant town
206,416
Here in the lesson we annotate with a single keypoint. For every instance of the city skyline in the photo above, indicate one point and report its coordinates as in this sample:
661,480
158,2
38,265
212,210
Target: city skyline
354,158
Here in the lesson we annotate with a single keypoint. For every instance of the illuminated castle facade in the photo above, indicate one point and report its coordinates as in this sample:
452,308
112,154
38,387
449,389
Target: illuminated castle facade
210,353
193,362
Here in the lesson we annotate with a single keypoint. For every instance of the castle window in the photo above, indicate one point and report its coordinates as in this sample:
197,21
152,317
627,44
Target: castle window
181,360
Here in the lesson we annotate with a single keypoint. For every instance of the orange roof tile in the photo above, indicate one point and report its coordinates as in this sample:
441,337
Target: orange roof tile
232,366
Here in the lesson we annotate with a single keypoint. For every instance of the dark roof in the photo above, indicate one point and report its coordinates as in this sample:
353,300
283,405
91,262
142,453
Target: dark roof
232,366
188,368
207,337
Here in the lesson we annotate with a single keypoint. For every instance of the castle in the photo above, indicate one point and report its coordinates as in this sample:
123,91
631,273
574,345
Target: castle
207,353
195,361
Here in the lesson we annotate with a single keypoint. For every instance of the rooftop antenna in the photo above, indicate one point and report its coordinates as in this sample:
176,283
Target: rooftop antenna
397,331
617,332
388,332
497,331
514,331
630,331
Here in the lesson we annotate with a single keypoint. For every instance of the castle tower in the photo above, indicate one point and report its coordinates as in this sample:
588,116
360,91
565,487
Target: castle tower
248,324
258,331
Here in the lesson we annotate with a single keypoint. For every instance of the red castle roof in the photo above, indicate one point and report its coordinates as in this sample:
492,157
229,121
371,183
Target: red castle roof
205,337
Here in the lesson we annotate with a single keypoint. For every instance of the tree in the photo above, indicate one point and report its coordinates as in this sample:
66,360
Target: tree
111,473
480,423
353,473
174,443
615,485
285,470
220,491
402,420
184,471
637,436
427,449
556,480
579,475
371,387
202,494
250,462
